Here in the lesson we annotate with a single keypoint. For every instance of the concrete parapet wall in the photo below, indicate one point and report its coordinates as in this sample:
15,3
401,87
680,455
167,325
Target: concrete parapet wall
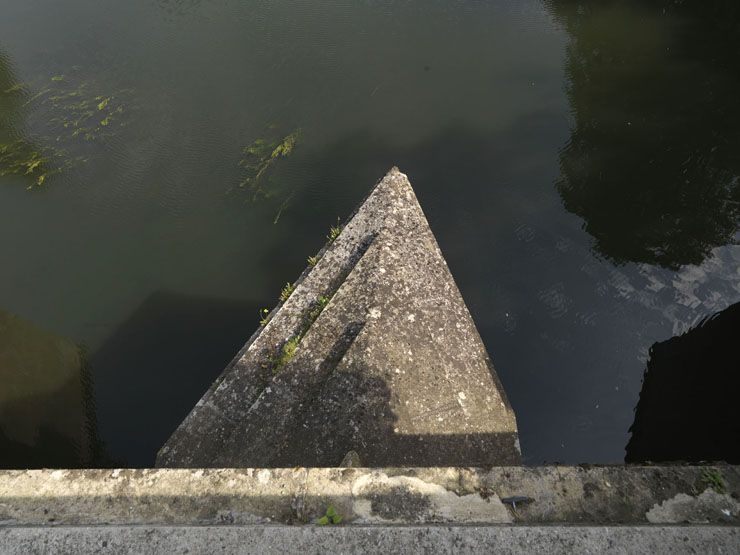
281,539
527,495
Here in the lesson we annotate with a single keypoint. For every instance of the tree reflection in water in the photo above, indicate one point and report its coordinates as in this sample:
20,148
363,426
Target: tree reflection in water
653,161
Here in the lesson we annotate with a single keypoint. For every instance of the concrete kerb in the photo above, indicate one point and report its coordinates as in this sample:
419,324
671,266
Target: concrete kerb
606,495
281,539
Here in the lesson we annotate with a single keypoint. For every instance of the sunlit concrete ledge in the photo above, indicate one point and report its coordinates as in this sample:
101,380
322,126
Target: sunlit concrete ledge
551,509
500,495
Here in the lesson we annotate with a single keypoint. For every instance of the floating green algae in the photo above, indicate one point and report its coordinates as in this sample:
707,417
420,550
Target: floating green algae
65,112
77,112
259,159
23,158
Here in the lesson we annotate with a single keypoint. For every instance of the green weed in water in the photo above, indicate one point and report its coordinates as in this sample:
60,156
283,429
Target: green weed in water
22,158
260,157
71,114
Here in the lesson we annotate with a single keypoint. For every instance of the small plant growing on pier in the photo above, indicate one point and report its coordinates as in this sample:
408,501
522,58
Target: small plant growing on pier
287,291
264,316
316,309
312,261
713,479
334,232
331,517
286,353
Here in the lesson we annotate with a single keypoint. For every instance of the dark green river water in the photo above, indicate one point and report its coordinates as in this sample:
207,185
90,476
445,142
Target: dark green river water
579,164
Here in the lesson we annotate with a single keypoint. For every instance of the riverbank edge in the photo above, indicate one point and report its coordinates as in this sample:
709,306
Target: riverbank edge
546,495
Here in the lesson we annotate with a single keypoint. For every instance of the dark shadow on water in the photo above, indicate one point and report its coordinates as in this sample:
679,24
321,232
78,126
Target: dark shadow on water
154,368
688,408
652,164
460,174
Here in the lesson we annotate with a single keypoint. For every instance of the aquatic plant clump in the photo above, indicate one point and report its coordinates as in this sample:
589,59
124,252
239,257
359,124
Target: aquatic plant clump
78,112
69,112
22,158
260,157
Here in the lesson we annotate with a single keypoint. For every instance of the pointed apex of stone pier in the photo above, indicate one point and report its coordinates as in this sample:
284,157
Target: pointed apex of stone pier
374,352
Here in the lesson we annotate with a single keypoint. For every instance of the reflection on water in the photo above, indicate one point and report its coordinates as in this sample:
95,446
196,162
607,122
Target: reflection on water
652,164
47,416
688,409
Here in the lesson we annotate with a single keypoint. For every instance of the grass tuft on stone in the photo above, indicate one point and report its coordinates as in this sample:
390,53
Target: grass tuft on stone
286,353
331,517
334,232
287,292
713,479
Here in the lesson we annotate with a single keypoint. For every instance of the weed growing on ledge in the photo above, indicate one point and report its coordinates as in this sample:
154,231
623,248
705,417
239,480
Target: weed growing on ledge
713,479
316,309
264,316
312,260
334,232
286,353
287,292
331,517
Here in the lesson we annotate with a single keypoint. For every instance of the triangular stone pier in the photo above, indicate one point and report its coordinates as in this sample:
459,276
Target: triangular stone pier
374,352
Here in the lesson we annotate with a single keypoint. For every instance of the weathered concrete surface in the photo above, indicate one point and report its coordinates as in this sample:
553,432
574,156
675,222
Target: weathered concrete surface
500,495
392,368
694,509
155,540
